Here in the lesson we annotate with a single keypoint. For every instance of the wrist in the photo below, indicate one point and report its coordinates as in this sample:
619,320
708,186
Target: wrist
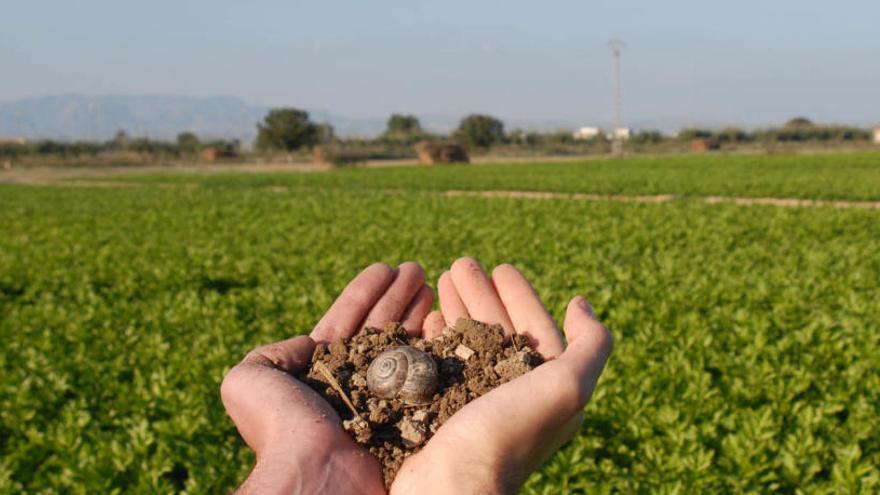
273,474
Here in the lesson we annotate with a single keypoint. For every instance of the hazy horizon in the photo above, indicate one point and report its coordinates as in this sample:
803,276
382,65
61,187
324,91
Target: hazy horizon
750,63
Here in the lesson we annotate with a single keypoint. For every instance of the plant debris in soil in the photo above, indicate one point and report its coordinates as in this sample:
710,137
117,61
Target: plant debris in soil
472,358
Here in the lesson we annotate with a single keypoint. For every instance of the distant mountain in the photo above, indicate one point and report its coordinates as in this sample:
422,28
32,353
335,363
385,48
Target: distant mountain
72,117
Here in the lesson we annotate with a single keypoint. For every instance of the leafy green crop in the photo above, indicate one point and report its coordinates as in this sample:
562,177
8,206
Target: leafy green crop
847,176
747,353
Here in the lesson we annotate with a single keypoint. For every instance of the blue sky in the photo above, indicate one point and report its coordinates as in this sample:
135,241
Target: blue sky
747,62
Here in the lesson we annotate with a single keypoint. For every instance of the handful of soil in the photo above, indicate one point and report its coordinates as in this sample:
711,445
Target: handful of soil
468,360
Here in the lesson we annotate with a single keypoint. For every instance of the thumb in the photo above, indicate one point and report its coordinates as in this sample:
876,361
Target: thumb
289,355
579,319
589,345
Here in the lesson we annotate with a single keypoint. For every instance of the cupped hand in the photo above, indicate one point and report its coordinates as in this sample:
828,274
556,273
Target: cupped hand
298,438
492,444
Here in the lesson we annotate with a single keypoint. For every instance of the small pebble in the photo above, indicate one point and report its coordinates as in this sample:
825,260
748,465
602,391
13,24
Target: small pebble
464,352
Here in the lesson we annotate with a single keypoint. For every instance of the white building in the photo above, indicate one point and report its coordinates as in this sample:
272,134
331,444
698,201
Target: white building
877,135
585,133
622,133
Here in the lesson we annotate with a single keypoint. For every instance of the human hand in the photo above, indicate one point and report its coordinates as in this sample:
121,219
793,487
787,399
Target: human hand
493,443
297,436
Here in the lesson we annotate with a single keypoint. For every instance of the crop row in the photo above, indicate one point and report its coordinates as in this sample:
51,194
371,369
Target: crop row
837,176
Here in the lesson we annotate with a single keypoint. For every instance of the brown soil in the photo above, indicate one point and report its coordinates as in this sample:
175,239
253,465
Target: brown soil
472,358
665,198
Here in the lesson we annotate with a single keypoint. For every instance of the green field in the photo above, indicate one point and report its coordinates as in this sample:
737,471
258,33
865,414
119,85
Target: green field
747,353
851,176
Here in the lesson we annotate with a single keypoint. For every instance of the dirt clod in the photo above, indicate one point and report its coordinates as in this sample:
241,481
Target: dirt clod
472,358
412,432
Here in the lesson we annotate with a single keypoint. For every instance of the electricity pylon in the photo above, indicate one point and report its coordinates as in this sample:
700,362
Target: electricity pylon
617,145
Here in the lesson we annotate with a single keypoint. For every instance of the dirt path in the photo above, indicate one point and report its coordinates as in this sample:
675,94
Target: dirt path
794,202
665,198
659,198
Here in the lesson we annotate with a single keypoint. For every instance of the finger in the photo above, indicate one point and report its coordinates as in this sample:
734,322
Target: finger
580,322
414,317
589,345
289,355
527,313
450,302
410,279
352,306
434,325
478,294
259,397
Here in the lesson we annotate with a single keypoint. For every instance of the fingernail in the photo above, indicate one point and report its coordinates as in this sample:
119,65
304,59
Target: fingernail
584,305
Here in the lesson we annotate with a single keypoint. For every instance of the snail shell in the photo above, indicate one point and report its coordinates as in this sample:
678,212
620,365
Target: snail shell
403,372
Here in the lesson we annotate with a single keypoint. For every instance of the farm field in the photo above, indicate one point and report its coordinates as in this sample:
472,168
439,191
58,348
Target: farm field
747,353
854,176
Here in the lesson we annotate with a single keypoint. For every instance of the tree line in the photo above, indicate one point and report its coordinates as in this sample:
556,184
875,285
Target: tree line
796,130
186,144
290,129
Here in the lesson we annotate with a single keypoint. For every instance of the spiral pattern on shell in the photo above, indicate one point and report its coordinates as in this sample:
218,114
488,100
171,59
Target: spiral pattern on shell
404,372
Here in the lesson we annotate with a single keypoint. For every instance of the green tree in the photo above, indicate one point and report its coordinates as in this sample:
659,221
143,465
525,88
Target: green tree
403,126
647,137
734,135
188,143
120,140
799,123
480,131
286,129
325,133
692,133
